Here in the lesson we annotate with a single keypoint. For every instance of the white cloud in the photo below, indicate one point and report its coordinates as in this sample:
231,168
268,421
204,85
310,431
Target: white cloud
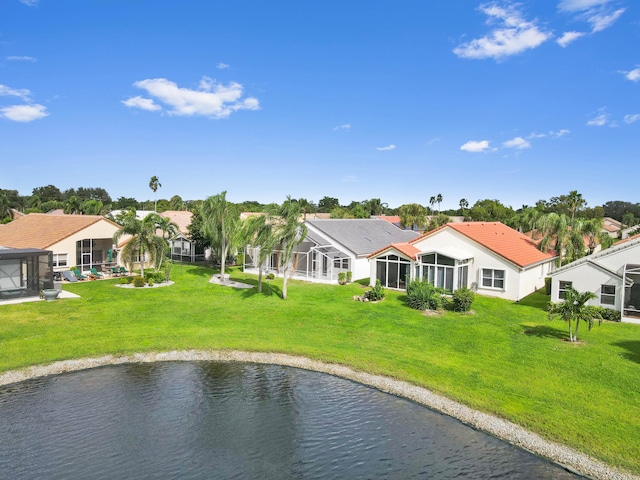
560,133
569,37
600,21
24,58
222,66
633,75
30,3
24,113
580,5
388,147
23,93
346,126
632,118
210,99
513,36
518,143
475,147
537,135
142,103
598,121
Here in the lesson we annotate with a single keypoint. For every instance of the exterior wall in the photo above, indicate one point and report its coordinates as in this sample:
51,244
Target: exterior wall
587,277
360,267
518,283
616,261
99,230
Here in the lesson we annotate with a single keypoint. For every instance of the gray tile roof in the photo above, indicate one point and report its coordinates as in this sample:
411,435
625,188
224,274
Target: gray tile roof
362,235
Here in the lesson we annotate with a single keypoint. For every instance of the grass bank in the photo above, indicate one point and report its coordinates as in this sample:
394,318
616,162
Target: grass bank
506,358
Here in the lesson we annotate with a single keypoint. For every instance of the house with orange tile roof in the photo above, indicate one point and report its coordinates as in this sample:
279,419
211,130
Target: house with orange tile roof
613,275
84,241
488,257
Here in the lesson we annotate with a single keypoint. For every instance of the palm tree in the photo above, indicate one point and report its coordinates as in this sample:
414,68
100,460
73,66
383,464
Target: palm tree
221,224
432,202
5,208
464,203
289,233
306,206
413,215
439,200
92,207
169,230
154,184
592,229
259,232
143,241
573,309
73,205
576,202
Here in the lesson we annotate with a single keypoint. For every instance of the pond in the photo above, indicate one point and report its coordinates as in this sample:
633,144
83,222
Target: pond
201,420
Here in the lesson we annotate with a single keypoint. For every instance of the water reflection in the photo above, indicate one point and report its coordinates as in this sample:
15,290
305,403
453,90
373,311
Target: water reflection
200,420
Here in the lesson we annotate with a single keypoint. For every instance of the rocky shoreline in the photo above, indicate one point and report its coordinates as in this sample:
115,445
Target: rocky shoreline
512,433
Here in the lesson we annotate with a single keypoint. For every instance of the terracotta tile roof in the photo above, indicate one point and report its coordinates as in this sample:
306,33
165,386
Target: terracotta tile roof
39,230
628,239
395,219
182,218
404,248
505,241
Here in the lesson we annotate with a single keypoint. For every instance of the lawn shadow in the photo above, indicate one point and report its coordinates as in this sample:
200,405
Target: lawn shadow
268,289
544,331
538,300
195,271
633,349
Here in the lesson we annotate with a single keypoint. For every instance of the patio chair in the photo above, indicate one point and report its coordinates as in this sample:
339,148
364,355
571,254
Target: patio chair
79,274
95,273
115,271
69,276
124,271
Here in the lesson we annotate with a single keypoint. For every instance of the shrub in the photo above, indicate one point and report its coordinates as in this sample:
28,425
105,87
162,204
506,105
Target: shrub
349,276
167,270
138,281
125,280
156,277
342,278
547,285
421,295
608,314
376,293
270,276
151,282
462,299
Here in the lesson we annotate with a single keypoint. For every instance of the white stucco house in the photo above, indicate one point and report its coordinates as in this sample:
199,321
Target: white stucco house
333,246
488,257
613,275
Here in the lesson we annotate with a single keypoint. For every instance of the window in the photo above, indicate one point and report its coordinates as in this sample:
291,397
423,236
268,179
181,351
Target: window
493,278
393,271
562,289
60,259
437,269
342,263
608,294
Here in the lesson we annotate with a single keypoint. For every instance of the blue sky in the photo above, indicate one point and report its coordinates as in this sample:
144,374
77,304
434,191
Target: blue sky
355,100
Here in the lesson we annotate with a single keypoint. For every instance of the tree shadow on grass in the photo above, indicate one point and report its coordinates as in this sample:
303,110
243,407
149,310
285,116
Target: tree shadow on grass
195,271
632,348
544,331
268,289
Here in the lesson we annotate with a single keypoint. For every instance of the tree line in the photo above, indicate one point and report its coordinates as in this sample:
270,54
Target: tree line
97,201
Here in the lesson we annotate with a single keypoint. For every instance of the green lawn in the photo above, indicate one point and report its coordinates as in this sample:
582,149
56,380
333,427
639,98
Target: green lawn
506,359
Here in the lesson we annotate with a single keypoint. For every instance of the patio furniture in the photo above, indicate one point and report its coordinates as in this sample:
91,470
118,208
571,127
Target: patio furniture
79,274
115,271
68,275
124,271
95,273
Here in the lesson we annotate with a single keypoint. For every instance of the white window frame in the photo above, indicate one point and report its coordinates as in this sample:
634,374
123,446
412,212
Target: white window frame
563,286
493,279
611,297
59,256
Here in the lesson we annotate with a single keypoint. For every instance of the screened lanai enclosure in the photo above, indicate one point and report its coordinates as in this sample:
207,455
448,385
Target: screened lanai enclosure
311,260
24,272
631,305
